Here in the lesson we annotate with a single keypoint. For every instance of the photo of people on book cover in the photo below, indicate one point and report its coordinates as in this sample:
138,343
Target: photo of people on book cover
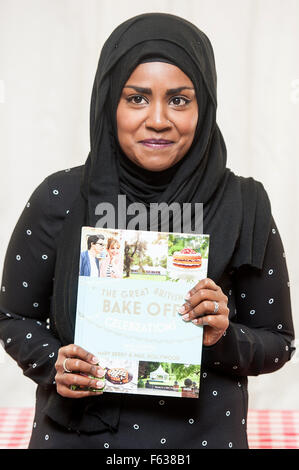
131,254
101,253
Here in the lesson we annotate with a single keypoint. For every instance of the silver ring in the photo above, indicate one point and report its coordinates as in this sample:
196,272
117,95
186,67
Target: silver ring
216,308
64,366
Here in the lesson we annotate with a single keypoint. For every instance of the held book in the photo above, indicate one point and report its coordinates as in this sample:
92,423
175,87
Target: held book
130,286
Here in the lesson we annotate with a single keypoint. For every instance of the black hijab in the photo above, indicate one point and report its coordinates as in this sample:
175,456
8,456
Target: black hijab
237,212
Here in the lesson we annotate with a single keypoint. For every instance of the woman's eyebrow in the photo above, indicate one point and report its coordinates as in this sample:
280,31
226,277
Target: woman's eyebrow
148,91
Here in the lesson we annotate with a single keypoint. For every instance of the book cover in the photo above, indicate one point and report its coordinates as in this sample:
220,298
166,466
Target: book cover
131,284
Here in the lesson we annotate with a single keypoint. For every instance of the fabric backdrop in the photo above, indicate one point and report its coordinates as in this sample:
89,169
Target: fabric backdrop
49,51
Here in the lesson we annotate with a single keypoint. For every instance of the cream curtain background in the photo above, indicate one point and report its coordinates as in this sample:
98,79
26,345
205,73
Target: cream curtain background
48,56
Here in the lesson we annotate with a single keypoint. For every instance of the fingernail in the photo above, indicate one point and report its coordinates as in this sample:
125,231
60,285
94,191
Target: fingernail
95,360
187,296
181,309
186,317
100,373
100,384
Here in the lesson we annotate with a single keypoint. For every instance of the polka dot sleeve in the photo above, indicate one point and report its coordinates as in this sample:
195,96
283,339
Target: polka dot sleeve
260,335
27,288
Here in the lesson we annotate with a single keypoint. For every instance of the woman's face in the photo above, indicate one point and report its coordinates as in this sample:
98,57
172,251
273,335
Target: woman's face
114,250
157,116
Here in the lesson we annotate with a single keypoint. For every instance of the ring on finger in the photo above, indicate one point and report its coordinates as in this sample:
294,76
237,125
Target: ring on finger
64,366
216,308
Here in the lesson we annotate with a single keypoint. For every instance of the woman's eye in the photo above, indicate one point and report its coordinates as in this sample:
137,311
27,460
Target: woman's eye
179,101
136,99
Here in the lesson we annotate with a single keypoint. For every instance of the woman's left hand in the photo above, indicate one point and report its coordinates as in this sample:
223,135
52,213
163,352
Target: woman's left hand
206,305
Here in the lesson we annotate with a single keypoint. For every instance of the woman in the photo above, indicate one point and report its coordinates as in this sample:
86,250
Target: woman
111,266
154,138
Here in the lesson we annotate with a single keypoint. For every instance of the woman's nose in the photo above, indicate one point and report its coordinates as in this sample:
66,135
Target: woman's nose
157,117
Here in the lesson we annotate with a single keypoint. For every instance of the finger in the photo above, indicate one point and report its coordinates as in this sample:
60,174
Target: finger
200,296
77,365
69,393
206,307
72,350
80,381
206,283
217,322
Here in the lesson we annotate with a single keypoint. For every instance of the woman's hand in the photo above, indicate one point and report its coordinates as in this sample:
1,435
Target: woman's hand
200,308
78,361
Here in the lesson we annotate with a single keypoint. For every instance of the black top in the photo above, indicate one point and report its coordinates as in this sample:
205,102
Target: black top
258,340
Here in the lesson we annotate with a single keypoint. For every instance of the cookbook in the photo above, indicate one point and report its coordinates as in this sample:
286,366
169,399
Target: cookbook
130,286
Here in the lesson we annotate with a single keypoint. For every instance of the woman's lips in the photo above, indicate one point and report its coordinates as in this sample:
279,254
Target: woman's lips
157,143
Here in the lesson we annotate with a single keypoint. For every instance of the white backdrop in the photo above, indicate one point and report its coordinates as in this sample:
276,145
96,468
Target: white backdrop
49,51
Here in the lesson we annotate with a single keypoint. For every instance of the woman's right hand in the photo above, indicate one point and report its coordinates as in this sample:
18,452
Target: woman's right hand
78,361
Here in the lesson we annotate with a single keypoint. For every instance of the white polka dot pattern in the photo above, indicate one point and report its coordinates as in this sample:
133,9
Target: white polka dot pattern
254,301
